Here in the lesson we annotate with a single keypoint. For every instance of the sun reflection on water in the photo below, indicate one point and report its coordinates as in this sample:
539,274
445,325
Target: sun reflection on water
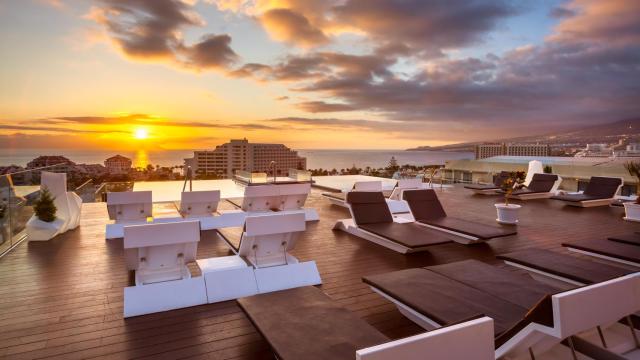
142,159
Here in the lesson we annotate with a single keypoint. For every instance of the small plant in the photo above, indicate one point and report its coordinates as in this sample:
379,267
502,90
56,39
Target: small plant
548,169
44,207
515,181
633,167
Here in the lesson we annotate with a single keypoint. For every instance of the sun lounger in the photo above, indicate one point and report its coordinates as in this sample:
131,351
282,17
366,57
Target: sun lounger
606,249
127,208
542,186
489,189
159,254
275,197
262,262
402,185
304,323
546,264
530,318
339,198
600,191
197,204
372,220
633,239
427,209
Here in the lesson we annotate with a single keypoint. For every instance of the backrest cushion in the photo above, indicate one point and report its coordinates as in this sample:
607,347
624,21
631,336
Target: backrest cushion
424,204
369,207
542,182
603,186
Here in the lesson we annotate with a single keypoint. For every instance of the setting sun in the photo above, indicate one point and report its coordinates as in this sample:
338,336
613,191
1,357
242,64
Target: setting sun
141,134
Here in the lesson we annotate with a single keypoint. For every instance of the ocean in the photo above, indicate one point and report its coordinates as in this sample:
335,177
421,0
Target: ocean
326,159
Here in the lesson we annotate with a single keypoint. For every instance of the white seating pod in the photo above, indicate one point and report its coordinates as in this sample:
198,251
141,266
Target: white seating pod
268,198
262,263
127,208
196,204
159,253
472,339
68,208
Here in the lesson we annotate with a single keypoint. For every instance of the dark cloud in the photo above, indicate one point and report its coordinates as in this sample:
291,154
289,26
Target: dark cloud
150,29
144,119
587,71
321,106
423,24
53,129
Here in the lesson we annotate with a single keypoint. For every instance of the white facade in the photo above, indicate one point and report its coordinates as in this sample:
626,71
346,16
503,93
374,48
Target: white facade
225,159
490,150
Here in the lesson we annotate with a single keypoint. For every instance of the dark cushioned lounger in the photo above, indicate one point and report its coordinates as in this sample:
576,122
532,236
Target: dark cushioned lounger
516,288
427,209
444,300
232,236
570,267
618,250
497,183
304,323
371,213
633,239
410,235
575,197
599,188
540,183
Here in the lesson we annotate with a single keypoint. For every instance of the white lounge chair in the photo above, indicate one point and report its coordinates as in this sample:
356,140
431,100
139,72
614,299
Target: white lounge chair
197,204
159,254
263,263
268,198
127,208
68,207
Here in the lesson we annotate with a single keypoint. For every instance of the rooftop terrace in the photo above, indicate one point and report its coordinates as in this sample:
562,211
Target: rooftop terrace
64,298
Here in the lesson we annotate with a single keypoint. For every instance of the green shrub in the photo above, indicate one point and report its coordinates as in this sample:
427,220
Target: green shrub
44,208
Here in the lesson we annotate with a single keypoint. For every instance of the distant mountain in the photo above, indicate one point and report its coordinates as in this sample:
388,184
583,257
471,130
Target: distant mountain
628,129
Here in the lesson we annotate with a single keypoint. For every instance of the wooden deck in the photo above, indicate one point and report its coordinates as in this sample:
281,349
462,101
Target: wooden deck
62,299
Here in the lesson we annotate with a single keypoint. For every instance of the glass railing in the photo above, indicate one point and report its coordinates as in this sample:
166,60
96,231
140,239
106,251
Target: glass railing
252,178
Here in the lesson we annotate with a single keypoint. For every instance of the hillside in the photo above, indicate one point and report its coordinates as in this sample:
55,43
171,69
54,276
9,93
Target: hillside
603,133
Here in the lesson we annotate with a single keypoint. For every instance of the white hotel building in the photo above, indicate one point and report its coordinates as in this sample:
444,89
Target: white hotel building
225,159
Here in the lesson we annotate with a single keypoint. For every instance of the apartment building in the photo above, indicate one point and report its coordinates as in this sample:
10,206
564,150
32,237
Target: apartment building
118,164
225,159
490,150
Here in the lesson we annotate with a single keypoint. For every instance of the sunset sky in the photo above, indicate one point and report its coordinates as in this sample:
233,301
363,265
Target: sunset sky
186,74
